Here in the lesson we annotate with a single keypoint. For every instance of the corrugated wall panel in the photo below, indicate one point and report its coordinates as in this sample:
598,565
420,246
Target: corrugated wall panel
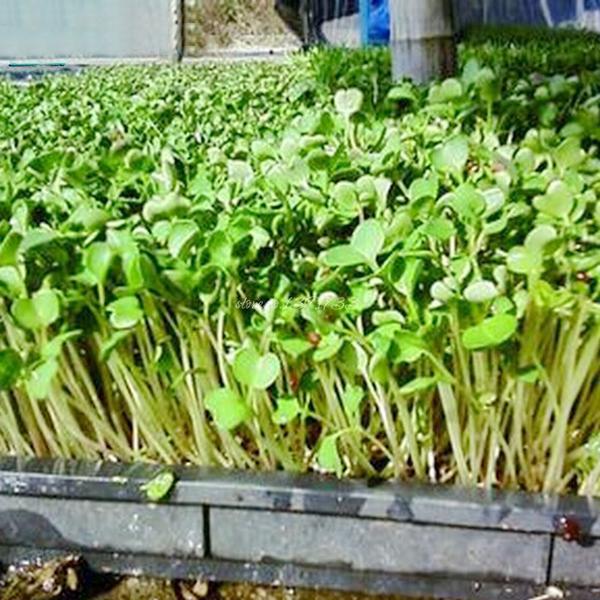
88,29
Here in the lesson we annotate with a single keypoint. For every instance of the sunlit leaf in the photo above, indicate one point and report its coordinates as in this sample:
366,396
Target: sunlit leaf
125,313
256,371
287,410
452,155
39,311
348,102
491,332
227,408
329,457
159,487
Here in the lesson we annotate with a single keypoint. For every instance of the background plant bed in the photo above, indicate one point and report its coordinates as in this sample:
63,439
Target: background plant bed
299,530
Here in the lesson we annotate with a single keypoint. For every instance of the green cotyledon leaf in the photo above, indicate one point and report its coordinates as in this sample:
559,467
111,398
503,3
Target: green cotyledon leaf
365,245
328,456
240,171
524,260
256,371
125,313
368,240
351,400
481,291
451,155
418,384
328,347
9,248
39,382
182,236
227,409
348,102
558,201
37,312
97,259
287,410
159,487
12,284
491,332
295,346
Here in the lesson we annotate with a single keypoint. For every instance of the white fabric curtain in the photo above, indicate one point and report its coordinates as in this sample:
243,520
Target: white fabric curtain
341,24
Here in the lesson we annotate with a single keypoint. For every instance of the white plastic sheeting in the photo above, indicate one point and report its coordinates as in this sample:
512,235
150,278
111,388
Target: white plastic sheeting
421,38
578,13
552,13
89,29
337,22
343,31
587,15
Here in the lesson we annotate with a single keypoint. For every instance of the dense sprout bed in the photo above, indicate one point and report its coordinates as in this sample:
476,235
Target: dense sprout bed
240,266
526,50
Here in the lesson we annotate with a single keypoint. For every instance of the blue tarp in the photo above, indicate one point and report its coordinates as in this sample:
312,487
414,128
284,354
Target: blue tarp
375,22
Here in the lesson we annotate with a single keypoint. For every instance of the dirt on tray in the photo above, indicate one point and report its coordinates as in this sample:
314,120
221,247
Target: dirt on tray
68,578
140,589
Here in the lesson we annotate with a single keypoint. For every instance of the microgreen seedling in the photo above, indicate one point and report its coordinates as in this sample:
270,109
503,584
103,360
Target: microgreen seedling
159,487
303,266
